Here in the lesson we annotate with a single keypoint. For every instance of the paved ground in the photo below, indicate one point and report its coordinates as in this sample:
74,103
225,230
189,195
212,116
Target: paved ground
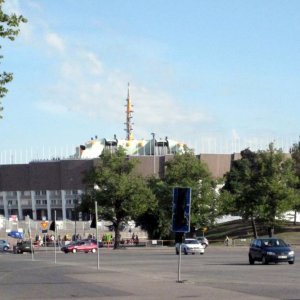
221,273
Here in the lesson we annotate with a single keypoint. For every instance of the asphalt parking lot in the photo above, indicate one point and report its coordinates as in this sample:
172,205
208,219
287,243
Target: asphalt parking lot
145,273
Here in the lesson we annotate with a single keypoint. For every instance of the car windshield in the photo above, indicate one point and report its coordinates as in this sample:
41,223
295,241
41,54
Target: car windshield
191,242
274,243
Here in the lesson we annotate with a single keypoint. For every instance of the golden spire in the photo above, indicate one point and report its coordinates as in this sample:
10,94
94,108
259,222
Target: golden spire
129,112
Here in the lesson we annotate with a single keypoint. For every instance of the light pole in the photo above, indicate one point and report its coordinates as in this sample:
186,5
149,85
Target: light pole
75,210
96,188
9,209
153,137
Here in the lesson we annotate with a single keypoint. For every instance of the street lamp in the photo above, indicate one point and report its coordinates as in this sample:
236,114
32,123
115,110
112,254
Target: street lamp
9,208
153,137
75,210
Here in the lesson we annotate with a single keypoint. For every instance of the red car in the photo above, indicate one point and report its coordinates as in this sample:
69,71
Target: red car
80,246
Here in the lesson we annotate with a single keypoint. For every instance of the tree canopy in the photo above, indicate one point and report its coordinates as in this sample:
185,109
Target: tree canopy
260,186
9,28
183,170
120,193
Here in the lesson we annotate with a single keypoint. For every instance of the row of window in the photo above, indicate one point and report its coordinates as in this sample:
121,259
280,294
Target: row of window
25,202
41,193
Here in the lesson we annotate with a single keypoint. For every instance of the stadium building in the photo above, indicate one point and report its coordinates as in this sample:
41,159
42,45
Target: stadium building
39,188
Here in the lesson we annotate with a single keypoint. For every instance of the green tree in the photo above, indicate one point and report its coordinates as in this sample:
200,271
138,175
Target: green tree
295,153
183,170
260,186
9,28
186,170
157,219
121,194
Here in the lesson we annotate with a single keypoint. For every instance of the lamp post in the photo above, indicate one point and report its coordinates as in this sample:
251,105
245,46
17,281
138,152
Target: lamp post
153,137
9,209
96,188
75,210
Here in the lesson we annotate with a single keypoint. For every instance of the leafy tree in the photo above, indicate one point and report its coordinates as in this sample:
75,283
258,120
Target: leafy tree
239,196
295,153
156,220
183,170
260,186
9,28
121,194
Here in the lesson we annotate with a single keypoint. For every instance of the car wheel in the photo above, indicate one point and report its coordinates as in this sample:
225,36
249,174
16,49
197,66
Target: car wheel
264,260
251,260
66,252
5,248
201,253
74,250
291,262
185,251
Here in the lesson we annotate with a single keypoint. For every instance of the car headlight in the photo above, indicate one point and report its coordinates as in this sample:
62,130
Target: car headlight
291,253
271,253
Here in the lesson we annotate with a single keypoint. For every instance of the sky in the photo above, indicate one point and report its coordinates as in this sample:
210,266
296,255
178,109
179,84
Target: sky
217,75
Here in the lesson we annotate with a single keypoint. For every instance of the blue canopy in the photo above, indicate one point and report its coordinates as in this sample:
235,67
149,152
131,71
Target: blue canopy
16,234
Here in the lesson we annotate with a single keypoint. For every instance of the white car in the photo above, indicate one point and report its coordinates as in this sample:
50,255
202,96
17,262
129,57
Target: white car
190,246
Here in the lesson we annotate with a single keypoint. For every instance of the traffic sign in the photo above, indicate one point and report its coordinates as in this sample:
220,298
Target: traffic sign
44,225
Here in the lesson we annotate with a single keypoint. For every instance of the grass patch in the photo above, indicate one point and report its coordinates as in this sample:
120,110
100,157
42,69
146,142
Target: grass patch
240,229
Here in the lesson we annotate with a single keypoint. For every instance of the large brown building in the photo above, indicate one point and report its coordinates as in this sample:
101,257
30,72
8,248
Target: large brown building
39,188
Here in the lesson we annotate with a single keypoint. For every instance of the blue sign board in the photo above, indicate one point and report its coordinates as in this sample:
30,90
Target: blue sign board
181,209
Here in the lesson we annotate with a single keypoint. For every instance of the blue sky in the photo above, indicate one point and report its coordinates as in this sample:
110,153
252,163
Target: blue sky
207,73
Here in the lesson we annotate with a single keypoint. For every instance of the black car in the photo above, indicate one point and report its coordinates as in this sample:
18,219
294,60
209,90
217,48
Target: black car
270,250
23,246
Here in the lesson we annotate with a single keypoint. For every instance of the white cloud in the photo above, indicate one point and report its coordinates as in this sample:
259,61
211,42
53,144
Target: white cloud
56,42
94,63
12,7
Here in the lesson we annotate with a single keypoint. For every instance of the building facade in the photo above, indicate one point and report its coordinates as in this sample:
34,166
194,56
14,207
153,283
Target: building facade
39,188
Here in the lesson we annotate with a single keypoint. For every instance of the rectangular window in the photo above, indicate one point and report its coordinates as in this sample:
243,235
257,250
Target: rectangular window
38,201
25,193
11,194
44,202
25,202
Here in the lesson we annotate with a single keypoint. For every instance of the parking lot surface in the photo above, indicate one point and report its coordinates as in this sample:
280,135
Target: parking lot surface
145,273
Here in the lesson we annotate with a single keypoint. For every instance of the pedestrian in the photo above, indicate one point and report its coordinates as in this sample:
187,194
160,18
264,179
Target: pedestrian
226,242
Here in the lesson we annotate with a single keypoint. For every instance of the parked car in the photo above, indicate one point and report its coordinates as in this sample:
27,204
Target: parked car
270,250
4,245
190,246
23,246
203,240
80,246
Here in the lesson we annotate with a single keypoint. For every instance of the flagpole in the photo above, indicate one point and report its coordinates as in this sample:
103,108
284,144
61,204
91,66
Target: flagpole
97,238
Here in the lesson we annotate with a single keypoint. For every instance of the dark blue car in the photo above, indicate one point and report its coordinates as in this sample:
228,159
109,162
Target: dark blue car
270,250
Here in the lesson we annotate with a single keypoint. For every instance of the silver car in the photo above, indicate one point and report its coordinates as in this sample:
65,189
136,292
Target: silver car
190,246
4,245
